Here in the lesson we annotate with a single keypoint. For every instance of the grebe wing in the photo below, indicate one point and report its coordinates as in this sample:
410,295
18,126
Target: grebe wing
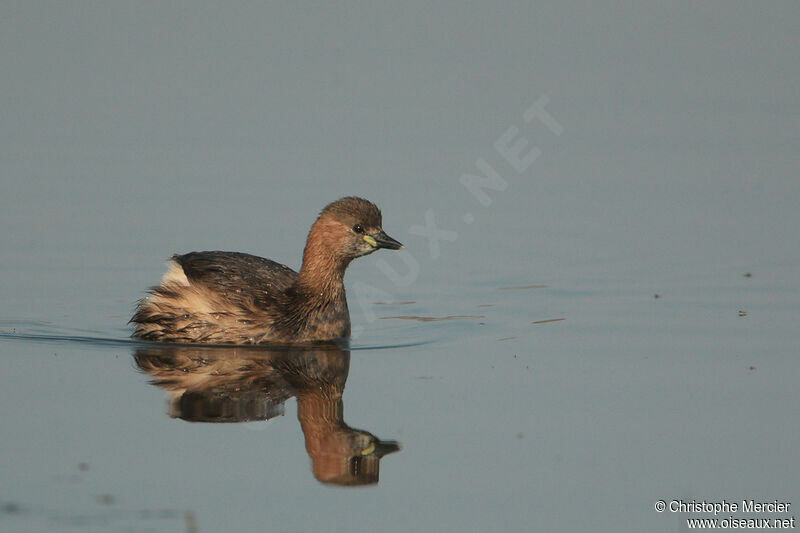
236,274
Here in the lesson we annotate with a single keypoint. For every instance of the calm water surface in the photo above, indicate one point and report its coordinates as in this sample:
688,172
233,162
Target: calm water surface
506,419
617,325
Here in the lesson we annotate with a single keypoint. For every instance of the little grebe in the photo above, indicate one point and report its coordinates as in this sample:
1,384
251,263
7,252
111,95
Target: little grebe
237,298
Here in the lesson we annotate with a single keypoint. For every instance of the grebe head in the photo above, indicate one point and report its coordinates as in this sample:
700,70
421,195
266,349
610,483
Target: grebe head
351,227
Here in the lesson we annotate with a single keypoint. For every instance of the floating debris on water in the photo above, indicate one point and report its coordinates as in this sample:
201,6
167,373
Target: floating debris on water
10,508
432,318
547,321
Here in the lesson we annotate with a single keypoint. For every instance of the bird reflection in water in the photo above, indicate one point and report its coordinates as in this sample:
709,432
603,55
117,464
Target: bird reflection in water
245,384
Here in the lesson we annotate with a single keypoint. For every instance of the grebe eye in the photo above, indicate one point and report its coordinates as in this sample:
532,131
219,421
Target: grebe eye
358,229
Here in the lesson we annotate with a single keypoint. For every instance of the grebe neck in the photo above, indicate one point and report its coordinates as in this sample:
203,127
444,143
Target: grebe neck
322,272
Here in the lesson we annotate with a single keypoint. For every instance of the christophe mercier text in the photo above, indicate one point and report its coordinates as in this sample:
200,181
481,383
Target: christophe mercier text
747,506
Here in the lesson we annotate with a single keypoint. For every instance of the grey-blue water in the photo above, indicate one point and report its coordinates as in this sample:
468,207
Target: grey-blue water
597,307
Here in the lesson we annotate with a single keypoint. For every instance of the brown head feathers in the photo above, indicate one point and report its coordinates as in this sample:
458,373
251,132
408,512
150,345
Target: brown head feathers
352,210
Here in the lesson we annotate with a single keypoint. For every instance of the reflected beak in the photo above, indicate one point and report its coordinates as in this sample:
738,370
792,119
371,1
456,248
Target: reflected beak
381,240
385,447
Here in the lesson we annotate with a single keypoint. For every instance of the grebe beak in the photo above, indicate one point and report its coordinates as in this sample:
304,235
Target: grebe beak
381,240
